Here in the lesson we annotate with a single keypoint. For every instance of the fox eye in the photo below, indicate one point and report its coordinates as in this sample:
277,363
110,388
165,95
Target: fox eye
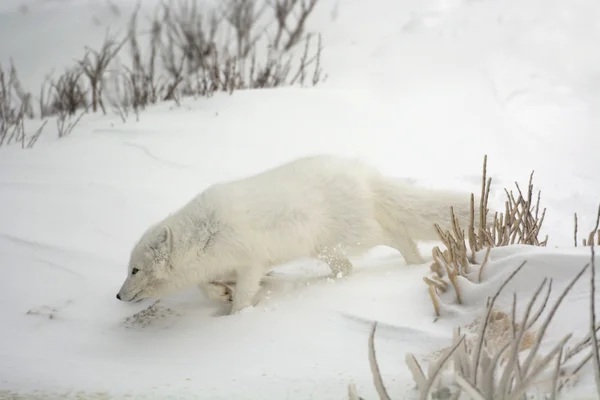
134,271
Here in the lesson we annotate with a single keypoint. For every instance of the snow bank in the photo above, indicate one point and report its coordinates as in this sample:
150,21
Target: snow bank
420,89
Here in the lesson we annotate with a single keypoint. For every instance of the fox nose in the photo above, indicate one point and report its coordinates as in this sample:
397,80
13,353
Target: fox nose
118,296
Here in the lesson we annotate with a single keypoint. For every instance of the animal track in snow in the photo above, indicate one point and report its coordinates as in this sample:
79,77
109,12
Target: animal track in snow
47,311
149,316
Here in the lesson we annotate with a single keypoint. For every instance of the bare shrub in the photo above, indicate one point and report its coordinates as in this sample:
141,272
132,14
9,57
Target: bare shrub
34,138
589,241
190,32
23,96
489,365
11,114
62,98
198,58
94,65
191,51
65,95
519,224
15,106
475,369
142,79
243,16
65,124
283,10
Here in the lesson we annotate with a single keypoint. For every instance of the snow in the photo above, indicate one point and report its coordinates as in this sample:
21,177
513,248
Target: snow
422,89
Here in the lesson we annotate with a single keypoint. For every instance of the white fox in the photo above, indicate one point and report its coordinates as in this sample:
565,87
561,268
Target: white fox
327,207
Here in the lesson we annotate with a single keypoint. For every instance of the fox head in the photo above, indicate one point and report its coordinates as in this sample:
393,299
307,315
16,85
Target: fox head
149,266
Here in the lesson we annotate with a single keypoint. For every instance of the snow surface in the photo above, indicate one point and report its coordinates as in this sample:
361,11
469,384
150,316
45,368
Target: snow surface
422,89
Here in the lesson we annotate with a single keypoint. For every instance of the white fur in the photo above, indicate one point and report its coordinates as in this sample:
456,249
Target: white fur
327,207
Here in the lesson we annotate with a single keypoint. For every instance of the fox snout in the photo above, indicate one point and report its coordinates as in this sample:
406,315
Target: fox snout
128,298
125,297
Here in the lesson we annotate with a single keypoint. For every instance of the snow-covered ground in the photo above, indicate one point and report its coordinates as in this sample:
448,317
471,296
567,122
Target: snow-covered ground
420,88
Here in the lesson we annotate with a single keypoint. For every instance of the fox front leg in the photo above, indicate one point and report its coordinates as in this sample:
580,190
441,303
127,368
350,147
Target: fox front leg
218,291
247,286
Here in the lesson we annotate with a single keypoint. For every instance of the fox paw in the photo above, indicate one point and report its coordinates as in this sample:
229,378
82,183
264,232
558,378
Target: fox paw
217,291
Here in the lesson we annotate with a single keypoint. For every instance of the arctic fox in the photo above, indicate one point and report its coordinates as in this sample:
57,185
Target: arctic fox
325,206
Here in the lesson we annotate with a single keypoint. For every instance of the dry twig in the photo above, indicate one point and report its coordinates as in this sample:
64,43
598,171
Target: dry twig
592,332
521,223
478,370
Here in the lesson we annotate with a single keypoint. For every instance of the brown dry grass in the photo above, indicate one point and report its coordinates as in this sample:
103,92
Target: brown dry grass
520,223
483,360
589,241
485,364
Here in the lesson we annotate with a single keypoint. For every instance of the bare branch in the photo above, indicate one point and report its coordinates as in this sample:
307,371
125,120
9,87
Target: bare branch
377,379
592,332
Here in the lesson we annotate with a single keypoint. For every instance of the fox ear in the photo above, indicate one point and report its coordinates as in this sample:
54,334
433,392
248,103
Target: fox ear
163,241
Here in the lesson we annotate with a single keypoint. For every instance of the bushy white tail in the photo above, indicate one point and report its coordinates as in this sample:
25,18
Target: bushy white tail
415,210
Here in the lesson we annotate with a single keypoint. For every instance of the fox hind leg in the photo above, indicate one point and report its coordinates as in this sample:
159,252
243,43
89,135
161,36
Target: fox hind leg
409,250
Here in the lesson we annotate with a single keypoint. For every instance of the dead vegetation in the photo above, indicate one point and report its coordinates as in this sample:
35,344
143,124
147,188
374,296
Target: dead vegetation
187,50
589,241
12,108
15,107
502,360
491,366
520,223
